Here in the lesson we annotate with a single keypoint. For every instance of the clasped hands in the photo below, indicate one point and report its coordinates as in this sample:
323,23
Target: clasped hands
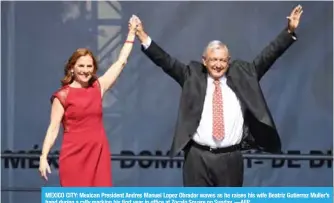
135,24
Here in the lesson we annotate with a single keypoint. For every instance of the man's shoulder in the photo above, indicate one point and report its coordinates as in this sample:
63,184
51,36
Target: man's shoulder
194,63
196,66
238,65
240,62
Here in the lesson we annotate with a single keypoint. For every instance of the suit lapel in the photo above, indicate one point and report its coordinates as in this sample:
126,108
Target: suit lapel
231,82
203,85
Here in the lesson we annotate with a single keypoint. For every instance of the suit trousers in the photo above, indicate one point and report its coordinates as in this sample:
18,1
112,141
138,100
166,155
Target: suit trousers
205,168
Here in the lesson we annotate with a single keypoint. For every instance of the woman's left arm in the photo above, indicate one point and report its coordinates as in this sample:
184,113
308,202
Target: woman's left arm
108,79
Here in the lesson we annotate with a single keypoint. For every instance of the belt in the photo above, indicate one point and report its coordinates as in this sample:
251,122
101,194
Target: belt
216,150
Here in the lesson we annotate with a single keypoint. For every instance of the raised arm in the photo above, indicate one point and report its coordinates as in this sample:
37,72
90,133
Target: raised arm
108,79
170,65
277,47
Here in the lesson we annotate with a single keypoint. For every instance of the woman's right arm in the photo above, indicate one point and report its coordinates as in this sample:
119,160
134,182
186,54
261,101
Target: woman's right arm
57,112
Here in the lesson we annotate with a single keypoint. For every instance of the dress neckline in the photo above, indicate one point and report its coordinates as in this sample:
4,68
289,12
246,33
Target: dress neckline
78,87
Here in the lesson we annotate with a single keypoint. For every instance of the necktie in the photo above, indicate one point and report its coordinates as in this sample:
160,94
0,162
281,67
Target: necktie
217,108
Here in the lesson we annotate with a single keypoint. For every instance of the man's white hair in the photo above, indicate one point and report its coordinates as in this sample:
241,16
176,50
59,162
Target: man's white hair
215,44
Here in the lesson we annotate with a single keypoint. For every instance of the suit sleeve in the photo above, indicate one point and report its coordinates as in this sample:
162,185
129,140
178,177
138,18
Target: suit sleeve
170,65
272,52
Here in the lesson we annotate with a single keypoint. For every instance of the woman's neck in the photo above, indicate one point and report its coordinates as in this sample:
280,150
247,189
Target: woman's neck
77,84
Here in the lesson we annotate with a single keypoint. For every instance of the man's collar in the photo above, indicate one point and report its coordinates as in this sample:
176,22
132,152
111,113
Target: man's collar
222,79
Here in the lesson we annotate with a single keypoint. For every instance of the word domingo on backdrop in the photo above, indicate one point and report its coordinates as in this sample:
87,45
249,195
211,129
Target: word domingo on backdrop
186,195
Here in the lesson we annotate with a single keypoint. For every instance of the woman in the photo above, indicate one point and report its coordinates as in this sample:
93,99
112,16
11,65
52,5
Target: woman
84,156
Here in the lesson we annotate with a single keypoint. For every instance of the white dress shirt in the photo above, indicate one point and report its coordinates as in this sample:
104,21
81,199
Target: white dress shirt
233,117
232,114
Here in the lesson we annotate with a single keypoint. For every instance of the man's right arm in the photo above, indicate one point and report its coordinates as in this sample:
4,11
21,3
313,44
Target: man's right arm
176,69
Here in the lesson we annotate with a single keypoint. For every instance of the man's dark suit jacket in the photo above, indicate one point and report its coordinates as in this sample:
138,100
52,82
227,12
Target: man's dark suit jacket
242,77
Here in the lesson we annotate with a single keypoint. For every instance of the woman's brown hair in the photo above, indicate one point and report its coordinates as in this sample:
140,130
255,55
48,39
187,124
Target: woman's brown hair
68,77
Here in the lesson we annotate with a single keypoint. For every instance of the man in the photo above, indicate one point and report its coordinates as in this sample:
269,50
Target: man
222,110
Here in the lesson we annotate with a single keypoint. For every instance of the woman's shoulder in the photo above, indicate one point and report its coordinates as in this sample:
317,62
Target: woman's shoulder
61,94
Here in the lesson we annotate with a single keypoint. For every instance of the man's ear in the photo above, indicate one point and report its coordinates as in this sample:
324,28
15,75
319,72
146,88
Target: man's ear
203,60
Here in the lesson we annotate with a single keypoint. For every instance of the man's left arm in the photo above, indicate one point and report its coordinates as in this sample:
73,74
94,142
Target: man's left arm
276,48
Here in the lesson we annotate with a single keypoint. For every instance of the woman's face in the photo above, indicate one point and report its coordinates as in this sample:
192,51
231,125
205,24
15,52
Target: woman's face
83,69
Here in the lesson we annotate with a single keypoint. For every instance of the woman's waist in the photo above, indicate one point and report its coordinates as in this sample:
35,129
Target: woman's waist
96,134
82,128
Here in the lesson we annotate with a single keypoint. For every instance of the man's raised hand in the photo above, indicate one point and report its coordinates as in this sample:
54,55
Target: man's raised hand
294,18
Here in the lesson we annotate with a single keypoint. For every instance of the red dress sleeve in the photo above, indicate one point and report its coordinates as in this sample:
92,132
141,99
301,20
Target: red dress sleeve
61,95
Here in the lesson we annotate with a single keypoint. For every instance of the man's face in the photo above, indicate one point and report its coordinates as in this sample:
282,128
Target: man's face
216,62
